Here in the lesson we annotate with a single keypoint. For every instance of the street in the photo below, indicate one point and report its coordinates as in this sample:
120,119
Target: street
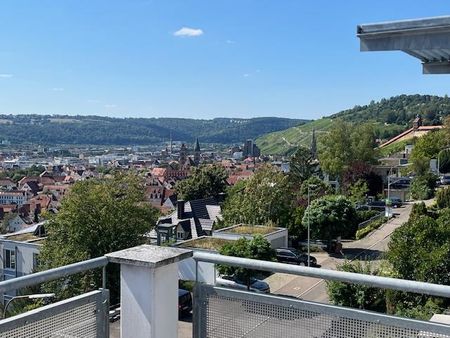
371,246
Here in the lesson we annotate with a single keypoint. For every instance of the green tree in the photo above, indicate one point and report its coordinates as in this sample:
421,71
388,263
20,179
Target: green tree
302,166
256,248
205,181
330,217
96,217
429,145
423,187
355,295
420,250
346,143
357,191
443,198
265,197
418,209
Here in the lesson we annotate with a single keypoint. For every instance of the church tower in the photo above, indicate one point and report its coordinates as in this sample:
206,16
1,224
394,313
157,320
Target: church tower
314,145
197,152
183,155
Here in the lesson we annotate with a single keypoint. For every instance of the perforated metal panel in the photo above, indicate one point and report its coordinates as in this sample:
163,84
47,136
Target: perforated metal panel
225,313
83,316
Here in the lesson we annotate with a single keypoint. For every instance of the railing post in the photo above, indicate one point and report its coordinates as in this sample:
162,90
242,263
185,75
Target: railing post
149,290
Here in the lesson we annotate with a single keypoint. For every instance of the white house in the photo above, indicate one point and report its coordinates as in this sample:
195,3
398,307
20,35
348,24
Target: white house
19,254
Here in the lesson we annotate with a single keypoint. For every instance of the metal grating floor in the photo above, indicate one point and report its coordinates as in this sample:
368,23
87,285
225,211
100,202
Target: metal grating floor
231,313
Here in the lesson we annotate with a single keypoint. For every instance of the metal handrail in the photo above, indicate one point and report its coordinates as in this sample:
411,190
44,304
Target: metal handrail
341,276
52,274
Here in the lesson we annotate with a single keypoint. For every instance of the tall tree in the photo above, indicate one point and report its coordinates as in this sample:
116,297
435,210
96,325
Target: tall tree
206,181
97,217
330,217
264,197
344,144
302,166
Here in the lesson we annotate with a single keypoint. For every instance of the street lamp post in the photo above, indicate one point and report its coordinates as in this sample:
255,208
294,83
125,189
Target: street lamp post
34,296
309,237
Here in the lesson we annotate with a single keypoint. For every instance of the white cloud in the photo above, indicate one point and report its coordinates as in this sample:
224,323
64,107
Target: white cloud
189,32
58,89
246,75
110,105
6,76
230,41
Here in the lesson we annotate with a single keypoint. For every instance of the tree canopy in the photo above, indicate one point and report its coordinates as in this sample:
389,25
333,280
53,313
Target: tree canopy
97,217
205,181
264,197
346,143
302,166
330,217
256,248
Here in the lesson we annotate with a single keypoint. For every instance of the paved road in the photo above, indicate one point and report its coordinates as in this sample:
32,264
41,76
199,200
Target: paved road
371,246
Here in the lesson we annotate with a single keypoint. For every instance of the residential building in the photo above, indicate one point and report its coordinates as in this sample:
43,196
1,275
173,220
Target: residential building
19,254
190,219
13,197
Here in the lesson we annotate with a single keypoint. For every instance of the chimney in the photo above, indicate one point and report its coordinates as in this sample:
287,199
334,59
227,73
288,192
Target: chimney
180,209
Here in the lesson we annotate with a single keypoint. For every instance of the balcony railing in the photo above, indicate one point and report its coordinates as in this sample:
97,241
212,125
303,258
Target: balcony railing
83,316
149,303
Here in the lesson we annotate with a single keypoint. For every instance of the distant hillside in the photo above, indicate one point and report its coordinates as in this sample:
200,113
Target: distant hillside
389,117
96,130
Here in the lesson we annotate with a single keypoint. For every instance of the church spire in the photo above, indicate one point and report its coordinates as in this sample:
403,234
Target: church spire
197,152
314,144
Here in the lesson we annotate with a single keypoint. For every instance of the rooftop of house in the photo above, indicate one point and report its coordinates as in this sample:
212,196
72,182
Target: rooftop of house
243,229
205,243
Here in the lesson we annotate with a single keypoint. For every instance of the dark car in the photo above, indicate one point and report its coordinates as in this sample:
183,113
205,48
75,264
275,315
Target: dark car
256,285
396,202
184,302
293,256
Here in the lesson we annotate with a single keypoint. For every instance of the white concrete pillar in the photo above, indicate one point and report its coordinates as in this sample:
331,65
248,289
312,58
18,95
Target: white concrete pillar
149,290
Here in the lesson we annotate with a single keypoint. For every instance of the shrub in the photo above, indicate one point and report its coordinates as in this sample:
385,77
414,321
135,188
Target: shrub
375,224
418,209
422,187
443,198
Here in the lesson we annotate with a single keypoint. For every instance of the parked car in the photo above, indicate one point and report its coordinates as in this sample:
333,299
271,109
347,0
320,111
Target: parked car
184,302
256,285
403,183
396,202
293,256
445,179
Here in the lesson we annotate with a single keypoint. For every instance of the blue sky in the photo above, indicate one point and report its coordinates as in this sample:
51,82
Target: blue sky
235,58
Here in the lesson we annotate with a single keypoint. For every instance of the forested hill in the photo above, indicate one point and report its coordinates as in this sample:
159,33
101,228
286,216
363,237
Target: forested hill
62,129
400,110
389,117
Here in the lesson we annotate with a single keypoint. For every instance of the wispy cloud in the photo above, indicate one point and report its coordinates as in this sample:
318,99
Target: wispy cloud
6,76
188,32
246,75
110,106
230,41
58,89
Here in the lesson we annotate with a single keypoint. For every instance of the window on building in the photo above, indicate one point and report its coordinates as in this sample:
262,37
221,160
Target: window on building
10,259
180,235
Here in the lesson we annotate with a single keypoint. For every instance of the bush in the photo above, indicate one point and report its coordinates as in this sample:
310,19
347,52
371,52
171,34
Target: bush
364,215
422,187
355,295
443,198
375,224
418,209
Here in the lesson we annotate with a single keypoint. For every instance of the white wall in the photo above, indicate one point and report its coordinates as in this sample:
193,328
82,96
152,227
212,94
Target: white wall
206,271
